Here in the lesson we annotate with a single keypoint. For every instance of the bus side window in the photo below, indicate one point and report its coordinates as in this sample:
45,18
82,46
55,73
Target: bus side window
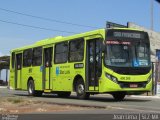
19,61
37,56
76,50
98,57
27,58
48,57
61,52
13,60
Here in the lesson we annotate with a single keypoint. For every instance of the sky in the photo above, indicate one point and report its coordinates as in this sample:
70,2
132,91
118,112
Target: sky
93,13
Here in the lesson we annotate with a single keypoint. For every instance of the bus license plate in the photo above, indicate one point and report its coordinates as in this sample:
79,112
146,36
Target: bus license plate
133,85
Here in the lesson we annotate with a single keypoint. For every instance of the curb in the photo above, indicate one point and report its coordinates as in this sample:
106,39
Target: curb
3,86
155,97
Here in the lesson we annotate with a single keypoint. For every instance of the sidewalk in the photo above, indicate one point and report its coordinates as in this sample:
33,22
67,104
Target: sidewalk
3,86
143,96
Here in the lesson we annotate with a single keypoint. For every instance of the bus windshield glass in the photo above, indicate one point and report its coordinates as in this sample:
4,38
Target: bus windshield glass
127,52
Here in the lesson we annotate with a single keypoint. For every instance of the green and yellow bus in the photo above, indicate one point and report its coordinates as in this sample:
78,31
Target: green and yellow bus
115,61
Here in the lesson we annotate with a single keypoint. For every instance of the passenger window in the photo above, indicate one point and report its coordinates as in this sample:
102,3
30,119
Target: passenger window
27,58
19,61
13,60
37,56
76,50
61,52
48,56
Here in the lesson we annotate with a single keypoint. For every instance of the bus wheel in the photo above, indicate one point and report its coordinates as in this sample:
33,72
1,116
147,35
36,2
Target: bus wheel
80,90
32,91
64,94
31,88
119,96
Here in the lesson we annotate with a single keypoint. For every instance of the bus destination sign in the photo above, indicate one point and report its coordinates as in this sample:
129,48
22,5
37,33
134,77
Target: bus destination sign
128,35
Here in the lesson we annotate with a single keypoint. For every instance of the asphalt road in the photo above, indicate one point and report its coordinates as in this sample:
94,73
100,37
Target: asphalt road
102,105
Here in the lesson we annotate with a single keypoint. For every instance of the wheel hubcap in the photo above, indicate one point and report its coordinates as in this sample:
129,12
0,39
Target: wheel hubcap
80,89
30,88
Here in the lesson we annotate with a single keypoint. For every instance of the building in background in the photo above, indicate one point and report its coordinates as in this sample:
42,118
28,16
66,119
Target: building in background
4,68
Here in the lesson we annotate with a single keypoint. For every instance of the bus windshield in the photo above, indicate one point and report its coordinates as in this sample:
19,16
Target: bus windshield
126,54
127,51
117,54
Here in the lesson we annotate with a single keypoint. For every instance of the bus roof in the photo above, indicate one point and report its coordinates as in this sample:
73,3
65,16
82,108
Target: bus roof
61,38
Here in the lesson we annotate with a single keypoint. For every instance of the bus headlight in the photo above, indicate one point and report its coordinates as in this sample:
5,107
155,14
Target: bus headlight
149,79
114,79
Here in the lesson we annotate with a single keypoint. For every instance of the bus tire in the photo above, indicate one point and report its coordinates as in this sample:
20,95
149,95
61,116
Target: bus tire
64,94
31,89
119,96
80,90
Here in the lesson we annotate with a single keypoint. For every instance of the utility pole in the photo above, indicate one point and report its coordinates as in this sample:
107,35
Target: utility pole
152,15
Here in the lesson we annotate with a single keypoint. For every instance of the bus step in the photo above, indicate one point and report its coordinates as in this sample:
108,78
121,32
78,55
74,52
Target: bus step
47,91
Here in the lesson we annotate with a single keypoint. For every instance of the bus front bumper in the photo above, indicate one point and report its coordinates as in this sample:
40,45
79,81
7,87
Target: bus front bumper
129,87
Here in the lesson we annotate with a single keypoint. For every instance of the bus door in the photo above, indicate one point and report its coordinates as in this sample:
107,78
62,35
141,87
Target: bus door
18,70
47,67
94,64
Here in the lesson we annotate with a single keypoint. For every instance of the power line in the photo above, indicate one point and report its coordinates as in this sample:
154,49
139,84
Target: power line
47,19
36,27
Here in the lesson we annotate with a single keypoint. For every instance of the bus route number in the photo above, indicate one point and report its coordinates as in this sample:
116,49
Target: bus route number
125,78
